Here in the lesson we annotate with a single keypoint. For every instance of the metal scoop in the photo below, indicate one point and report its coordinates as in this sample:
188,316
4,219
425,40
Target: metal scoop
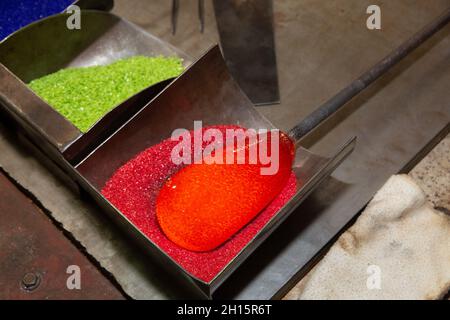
203,205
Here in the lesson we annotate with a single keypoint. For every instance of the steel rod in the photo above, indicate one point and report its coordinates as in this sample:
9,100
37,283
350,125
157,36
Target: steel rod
174,15
346,94
201,14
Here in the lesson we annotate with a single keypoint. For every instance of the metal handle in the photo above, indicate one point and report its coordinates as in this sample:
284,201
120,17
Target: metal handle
346,94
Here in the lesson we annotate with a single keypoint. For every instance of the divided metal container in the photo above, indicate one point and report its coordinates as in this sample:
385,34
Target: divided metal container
205,91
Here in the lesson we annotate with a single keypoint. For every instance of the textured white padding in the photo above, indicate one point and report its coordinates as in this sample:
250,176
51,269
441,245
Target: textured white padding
399,244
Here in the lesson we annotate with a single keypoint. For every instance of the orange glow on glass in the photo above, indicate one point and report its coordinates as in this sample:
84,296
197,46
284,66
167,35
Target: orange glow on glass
203,205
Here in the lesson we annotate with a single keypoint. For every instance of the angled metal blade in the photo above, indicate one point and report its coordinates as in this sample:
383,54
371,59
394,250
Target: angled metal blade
247,39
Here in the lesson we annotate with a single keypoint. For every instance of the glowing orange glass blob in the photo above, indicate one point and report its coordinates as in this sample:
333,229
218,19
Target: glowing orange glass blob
203,205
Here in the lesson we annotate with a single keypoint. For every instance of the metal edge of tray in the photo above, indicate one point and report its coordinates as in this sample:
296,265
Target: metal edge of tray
326,167
33,113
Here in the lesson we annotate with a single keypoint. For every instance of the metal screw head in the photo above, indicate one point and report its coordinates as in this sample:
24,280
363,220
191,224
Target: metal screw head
30,281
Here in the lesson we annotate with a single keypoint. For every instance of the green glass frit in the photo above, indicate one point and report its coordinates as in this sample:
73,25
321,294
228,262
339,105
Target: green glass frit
84,95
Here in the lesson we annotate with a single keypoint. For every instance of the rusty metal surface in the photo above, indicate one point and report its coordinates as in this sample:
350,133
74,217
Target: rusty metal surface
35,255
247,41
206,92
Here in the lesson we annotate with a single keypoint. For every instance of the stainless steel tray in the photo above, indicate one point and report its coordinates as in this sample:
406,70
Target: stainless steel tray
211,95
47,46
209,92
